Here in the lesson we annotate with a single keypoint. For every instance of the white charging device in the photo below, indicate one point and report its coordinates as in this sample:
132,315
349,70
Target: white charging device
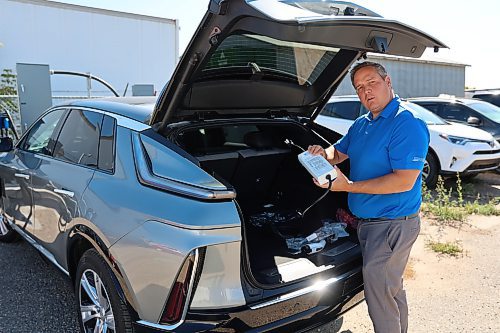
317,166
312,248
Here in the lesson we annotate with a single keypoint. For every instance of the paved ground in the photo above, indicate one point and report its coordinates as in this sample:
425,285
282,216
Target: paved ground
446,294
34,296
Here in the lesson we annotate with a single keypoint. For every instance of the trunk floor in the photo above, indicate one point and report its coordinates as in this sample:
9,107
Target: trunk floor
271,262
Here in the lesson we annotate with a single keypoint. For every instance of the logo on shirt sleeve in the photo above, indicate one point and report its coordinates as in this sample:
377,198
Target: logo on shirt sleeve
418,159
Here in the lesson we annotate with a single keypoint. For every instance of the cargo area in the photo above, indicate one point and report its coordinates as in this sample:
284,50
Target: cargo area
259,160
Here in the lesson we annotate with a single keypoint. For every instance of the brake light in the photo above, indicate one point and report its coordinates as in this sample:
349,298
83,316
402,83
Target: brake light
179,293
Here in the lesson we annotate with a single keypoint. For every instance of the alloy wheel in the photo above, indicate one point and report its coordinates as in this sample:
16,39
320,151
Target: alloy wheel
4,229
426,170
95,305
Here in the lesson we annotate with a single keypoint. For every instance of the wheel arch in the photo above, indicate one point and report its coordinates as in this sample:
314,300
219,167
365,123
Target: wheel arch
81,239
433,152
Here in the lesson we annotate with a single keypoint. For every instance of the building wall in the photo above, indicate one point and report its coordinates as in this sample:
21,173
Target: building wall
118,47
417,78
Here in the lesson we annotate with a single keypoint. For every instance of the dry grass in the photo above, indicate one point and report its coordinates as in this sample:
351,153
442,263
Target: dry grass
410,272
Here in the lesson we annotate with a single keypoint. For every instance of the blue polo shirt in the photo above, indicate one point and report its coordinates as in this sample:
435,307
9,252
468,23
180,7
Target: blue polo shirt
395,140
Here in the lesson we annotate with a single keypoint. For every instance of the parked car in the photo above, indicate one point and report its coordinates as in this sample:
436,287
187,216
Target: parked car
493,98
473,112
151,220
454,148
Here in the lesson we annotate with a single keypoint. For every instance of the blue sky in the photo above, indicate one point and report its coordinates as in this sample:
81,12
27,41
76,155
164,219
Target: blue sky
466,27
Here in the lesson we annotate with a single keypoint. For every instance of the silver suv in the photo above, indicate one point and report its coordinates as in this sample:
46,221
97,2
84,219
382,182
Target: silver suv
177,216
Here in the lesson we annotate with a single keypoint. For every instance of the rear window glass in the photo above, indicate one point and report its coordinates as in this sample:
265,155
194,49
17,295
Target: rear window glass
271,58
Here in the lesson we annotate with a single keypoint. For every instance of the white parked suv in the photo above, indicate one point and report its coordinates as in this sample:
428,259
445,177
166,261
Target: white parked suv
454,148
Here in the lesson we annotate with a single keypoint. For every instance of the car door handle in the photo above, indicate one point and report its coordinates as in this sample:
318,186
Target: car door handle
22,175
68,193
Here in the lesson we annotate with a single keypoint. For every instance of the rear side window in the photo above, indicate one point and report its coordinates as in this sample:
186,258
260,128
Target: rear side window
78,141
343,110
107,145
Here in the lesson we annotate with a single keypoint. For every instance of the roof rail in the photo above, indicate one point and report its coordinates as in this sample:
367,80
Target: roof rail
447,96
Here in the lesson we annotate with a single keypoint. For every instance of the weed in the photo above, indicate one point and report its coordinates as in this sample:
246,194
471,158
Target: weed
489,208
449,208
449,248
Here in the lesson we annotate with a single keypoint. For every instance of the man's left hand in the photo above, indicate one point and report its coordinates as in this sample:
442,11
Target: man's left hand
341,183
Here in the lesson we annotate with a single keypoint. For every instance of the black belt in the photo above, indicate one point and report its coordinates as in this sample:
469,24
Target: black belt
407,217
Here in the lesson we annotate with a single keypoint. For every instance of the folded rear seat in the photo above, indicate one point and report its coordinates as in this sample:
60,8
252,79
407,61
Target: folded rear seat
257,166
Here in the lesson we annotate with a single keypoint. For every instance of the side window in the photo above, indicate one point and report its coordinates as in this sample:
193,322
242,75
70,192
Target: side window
107,145
432,108
40,137
328,110
456,112
78,141
343,110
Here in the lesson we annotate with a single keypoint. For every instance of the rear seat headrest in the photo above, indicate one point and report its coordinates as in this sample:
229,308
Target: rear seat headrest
258,140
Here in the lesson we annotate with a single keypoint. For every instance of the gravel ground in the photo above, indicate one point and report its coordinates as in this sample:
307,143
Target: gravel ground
445,294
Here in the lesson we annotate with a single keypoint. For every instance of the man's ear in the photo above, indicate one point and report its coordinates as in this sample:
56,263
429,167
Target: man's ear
388,81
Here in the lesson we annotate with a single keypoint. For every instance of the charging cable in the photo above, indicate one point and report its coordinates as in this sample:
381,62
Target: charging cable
330,182
291,143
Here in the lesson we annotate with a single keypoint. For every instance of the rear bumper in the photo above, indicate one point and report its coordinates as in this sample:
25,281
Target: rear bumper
297,311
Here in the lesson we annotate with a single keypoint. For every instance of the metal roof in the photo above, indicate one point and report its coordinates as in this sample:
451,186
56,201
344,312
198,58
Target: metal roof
424,60
55,4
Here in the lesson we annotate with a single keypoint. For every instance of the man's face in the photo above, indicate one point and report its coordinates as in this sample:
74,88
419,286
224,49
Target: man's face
373,91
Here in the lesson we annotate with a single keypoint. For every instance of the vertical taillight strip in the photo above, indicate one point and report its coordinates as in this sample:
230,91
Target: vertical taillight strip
179,298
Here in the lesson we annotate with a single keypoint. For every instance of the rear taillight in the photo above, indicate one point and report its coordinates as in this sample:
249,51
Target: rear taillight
180,292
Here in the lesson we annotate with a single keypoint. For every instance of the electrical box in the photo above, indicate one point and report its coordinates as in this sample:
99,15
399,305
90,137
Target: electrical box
143,90
34,91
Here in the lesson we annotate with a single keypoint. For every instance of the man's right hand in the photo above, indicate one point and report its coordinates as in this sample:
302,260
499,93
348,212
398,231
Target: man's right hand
316,150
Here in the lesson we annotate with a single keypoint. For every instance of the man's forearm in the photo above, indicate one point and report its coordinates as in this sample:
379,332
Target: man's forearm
396,182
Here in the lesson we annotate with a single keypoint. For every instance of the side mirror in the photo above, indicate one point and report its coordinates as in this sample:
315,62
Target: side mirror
473,121
6,144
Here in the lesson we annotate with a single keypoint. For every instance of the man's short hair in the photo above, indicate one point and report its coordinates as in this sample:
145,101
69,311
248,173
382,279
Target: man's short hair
380,69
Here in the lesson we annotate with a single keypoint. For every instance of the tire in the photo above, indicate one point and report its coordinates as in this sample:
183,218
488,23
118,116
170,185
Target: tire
108,311
7,234
430,171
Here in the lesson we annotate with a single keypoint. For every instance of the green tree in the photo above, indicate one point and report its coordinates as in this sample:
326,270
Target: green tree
8,88
7,82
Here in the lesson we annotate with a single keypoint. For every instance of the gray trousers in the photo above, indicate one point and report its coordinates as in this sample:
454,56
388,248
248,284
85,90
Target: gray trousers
386,246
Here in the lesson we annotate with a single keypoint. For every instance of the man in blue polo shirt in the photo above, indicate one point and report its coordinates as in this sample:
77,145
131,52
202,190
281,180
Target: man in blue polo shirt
387,149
